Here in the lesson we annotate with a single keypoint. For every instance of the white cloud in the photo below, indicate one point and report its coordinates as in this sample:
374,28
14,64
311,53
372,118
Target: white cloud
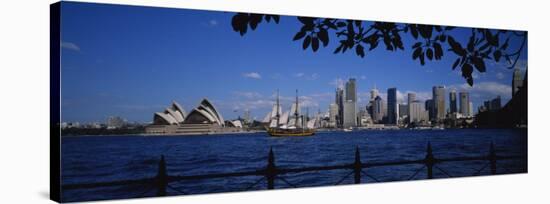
485,89
313,76
213,22
252,75
249,95
70,46
338,82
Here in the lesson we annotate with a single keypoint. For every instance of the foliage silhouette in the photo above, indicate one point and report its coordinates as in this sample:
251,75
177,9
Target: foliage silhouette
432,41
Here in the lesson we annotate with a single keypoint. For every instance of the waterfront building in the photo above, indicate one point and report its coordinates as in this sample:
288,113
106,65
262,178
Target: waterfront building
115,122
333,114
203,119
410,98
464,103
403,110
392,106
470,109
351,90
438,94
378,110
340,103
452,101
418,112
429,105
517,81
350,114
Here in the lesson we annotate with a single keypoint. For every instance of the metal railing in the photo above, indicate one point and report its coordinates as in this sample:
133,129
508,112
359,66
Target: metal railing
161,182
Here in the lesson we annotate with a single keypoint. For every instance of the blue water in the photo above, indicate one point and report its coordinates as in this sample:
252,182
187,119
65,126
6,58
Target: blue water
90,159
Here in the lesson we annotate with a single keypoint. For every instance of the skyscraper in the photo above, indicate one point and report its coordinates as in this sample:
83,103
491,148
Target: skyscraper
464,103
351,90
340,103
378,109
417,112
410,98
439,102
452,101
350,104
333,114
373,93
392,106
517,81
350,114
429,105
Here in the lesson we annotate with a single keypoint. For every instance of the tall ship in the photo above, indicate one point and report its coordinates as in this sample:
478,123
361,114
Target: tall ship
289,123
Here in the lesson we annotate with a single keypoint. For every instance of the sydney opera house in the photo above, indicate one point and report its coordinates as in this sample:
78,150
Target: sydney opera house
204,119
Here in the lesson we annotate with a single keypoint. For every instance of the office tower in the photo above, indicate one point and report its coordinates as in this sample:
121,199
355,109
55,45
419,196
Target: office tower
517,81
429,105
333,114
439,102
340,103
350,104
373,93
410,98
418,112
351,90
378,109
392,106
452,101
470,109
464,103
350,114
403,110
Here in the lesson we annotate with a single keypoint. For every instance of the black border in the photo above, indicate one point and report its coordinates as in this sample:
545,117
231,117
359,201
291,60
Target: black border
55,102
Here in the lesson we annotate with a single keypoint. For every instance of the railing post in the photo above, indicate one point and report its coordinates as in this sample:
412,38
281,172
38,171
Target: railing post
493,159
162,178
429,160
271,170
357,166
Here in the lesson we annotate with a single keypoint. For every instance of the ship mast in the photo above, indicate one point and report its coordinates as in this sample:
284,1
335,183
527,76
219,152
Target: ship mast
277,110
296,110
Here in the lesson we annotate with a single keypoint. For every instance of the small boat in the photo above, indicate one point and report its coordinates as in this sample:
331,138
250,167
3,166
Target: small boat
348,129
286,125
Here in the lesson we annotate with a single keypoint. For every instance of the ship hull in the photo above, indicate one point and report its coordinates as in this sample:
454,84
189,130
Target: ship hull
277,132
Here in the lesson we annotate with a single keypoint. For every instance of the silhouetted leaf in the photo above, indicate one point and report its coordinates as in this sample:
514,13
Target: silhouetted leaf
467,70
422,59
455,46
338,49
360,50
471,43
315,43
429,53
275,18
418,44
457,61
425,31
414,31
341,24
306,43
505,45
470,81
417,52
442,38
478,62
449,27
255,19
306,20
299,35
497,54
323,36
438,51
239,22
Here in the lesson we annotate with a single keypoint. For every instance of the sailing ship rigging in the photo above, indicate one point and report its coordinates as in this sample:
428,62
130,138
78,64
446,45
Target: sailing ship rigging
285,124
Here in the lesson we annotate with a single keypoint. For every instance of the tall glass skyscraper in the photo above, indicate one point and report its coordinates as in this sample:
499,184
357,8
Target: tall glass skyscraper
452,101
392,106
439,102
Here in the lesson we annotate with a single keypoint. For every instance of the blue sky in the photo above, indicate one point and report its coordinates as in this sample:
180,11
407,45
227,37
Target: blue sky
133,61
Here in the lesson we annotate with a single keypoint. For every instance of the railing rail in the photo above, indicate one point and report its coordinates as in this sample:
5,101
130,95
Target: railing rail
271,172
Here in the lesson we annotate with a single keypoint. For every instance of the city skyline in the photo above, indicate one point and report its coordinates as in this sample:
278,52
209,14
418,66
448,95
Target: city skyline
107,73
